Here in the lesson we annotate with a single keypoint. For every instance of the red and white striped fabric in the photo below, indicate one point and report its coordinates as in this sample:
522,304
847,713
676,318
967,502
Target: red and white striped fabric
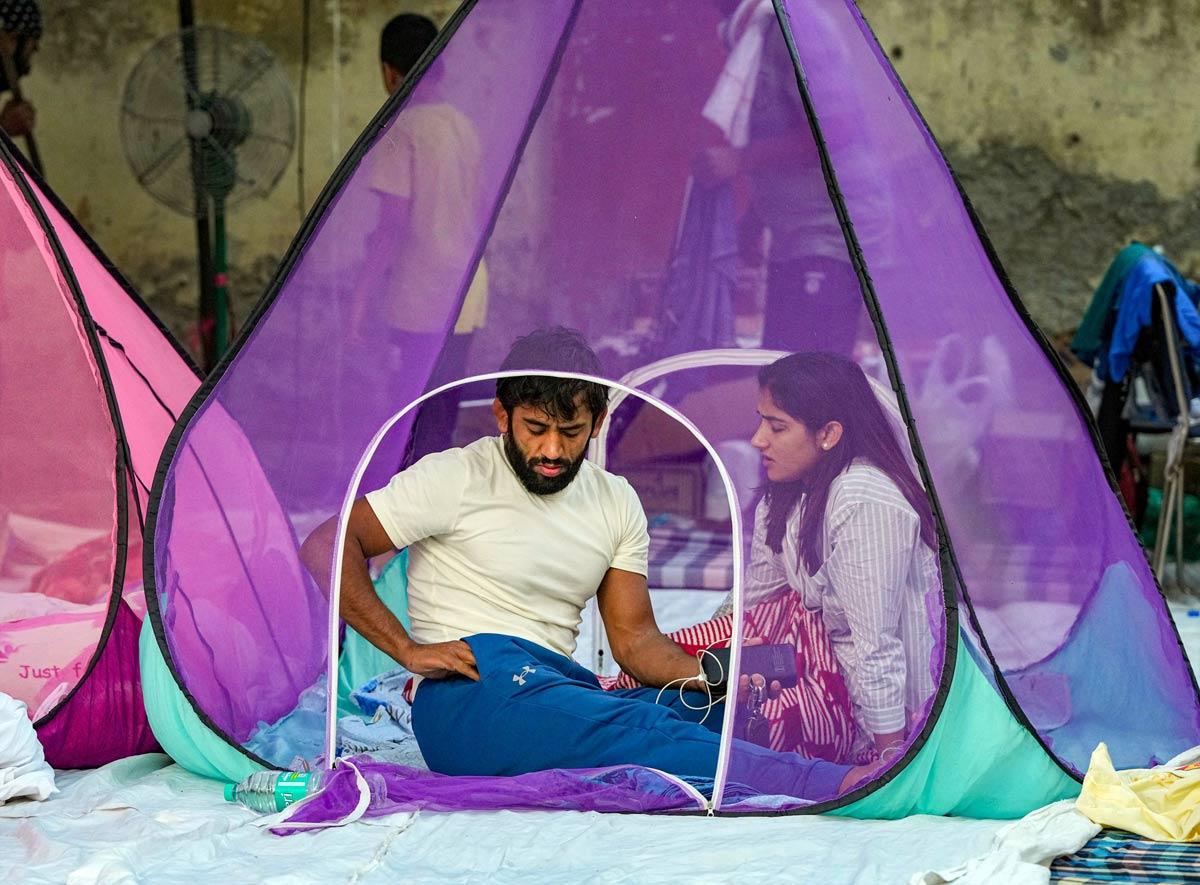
813,718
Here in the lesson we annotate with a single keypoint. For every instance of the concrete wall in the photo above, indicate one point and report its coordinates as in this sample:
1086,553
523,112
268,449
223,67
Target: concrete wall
1071,123
1054,112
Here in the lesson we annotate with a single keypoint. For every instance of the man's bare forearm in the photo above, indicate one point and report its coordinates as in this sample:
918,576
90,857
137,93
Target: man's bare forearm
653,659
360,606
363,610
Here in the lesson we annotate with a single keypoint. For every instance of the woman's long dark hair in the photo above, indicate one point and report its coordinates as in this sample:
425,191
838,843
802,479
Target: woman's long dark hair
815,389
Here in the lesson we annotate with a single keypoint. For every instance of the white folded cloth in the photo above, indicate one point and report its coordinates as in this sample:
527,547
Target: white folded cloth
729,105
1022,851
23,768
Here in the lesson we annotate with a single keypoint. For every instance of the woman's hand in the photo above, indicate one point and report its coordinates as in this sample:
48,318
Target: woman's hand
860,773
756,679
889,744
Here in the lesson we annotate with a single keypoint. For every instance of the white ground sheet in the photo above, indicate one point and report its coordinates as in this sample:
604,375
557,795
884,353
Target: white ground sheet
144,820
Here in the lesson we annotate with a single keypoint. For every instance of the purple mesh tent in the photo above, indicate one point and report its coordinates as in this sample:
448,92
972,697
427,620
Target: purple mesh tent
90,387
603,158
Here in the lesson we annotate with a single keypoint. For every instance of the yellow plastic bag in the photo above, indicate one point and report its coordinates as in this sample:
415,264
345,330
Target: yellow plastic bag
1159,803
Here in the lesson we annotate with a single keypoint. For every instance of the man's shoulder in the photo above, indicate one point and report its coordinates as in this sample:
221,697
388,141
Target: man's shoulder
610,485
474,457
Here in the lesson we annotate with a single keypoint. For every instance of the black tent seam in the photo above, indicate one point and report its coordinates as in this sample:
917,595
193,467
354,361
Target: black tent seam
871,302
137,502
873,305
945,550
87,318
120,348
117,345
154,616
1077,397
531,119
99,255
345,170
332,187
123,460
877,316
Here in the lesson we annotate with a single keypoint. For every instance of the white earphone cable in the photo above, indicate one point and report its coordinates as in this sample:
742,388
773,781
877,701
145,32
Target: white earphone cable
703,680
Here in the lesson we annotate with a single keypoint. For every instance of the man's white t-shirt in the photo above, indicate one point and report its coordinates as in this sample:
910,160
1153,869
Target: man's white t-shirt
488,556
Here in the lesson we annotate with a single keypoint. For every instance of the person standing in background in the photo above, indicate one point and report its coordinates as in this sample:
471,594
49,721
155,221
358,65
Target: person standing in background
20,30
425,178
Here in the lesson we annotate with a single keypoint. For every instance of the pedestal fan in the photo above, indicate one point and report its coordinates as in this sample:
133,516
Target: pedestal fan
207,122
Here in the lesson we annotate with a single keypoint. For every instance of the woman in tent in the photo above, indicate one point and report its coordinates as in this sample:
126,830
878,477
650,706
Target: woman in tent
846,526
842,561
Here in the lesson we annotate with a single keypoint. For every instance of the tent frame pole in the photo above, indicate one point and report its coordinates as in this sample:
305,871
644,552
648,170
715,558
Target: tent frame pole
333,631
1171,516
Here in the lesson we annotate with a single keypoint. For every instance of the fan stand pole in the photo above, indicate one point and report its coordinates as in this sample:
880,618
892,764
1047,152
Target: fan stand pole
221,325
203,230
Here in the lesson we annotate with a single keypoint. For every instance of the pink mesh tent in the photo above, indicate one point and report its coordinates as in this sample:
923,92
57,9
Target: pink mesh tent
90,386
699,187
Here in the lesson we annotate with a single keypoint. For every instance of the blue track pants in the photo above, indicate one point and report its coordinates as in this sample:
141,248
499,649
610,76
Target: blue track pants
534,709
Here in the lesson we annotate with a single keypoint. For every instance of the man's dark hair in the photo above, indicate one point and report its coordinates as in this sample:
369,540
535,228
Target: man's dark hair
560,350
404,39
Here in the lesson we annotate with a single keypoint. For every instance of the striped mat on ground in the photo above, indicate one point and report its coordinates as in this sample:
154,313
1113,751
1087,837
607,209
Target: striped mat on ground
1117,856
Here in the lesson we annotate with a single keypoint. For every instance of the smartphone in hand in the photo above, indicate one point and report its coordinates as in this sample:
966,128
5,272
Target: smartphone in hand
776,663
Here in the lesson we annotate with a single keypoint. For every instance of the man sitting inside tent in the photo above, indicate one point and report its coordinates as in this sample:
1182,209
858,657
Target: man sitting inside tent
508,539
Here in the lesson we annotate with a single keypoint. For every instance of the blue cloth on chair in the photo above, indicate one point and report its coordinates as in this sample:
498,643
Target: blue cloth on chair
534,709
1134,303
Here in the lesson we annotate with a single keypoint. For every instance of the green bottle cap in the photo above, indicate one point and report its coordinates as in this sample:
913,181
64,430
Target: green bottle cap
230,789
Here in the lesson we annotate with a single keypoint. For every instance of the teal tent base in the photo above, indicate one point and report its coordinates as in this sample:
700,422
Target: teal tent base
178,729
196,747
978,762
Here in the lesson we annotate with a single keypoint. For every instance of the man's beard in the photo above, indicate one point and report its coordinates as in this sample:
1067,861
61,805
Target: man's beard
532,480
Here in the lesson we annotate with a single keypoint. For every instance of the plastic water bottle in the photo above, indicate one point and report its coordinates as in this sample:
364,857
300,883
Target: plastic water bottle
271,791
